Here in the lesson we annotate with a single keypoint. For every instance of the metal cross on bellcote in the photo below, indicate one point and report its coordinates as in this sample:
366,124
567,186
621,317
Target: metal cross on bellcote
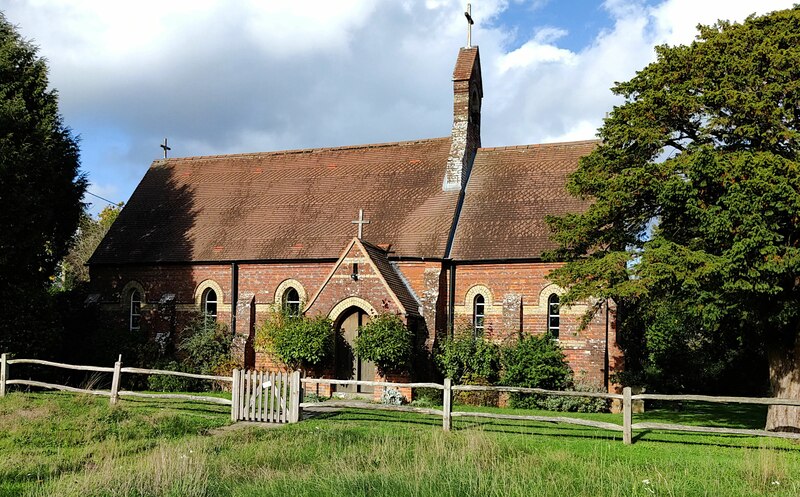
165,147
361,222
470,22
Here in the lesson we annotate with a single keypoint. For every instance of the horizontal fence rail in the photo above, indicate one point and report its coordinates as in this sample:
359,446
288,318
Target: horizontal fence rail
277,397
547,419
377,407
721,400
627,427
329,381
176,373
115,393
499,388
714,429
63,388
98,369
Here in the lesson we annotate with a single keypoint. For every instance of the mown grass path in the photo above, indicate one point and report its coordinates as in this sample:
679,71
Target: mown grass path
57,444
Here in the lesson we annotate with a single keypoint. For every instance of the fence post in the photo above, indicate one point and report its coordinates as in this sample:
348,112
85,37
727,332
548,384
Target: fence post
235,396
3,373
294,416
447,402
627,416
115,381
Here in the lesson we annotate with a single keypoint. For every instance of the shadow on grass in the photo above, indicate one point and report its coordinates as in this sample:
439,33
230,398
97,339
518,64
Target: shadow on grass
709,440
748,416
352,414
698,414
174,405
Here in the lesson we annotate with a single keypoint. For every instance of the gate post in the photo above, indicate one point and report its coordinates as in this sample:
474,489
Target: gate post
235,396
3,373
627,416
115,381
294,415
447,403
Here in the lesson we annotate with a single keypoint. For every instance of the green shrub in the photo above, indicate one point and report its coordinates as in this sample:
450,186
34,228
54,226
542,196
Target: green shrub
387,342
205,347
485,399
297,341
427,397
463,357
576,404
167,383
535,362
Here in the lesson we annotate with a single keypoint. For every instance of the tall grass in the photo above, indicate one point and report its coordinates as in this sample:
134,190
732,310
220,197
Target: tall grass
67,445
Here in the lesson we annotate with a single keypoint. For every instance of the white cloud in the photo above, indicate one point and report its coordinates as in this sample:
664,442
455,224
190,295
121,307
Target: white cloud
222,77
676,20
537,51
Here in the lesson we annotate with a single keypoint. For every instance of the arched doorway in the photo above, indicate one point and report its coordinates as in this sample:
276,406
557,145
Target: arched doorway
348,366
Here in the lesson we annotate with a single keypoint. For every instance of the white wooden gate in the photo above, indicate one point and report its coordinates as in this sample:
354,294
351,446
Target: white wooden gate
266,397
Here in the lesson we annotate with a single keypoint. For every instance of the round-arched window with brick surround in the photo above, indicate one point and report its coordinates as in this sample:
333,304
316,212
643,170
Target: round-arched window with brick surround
132,299
135,310
208,297
478,315
291,301
553,315
209,303
291,296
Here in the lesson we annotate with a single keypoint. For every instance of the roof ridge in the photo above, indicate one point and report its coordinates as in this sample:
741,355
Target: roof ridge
298,151
539,145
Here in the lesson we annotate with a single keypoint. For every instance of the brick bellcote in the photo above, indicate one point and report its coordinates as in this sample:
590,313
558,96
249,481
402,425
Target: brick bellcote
466,134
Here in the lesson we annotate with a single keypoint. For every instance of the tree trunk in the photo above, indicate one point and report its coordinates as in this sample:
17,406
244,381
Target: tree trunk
784,378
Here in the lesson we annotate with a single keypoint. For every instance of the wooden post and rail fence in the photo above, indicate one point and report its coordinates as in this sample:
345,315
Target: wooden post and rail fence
278,398
255,396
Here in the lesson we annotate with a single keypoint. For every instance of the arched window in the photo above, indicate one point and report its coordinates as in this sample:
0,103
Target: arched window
291,301
135,310
553,318
478,315
210,303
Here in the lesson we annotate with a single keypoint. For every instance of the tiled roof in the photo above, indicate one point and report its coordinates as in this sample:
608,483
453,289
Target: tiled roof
510,191
393,279
286,205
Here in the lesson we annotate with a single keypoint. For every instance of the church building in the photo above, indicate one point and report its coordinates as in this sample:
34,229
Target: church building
443,232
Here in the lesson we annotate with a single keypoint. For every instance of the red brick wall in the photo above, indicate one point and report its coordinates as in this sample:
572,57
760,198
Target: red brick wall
157,281
513,286
524,282
368,286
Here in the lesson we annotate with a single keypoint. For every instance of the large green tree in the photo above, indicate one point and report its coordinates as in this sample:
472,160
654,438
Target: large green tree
696,188
40,190
72,270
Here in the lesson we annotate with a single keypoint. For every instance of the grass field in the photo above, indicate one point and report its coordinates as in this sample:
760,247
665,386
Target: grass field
66,444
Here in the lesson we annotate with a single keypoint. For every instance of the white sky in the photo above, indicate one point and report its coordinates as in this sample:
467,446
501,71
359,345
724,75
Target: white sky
242,76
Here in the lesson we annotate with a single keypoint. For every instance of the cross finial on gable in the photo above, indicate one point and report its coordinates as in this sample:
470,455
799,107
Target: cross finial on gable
470,22
165,147
361,222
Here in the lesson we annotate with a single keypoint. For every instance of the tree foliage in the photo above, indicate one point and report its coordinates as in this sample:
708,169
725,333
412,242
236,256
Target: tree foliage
536,361
72,270
297,341
387,342
467,359
40,190
696,187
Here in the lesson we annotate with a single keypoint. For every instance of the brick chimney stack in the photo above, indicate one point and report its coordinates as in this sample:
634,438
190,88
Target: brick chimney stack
466,134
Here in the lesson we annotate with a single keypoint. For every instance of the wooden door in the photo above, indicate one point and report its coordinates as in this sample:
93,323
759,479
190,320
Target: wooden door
348,365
